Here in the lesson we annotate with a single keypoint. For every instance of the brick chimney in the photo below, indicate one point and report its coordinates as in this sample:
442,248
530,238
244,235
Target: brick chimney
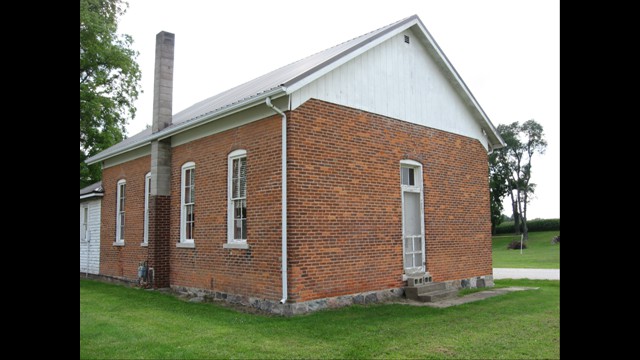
160,199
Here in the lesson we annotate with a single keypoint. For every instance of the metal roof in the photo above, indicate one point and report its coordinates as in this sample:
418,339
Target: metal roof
94,189
283,76
272,84
275,80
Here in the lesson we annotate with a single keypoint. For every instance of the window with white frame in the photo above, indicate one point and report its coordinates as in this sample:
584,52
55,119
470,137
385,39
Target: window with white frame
237,190
120,198
147,194
84,225
188,201
410,175
412,216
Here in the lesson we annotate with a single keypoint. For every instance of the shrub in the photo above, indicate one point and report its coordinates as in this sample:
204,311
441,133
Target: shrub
516,245
533,225
505,228
544,225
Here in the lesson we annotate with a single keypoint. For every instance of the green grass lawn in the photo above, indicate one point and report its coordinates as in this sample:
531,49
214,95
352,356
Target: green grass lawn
121,322
539,254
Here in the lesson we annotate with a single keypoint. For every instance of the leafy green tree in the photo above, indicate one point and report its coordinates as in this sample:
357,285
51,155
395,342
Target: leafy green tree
509,135
532,142
109,81
523,142
498,186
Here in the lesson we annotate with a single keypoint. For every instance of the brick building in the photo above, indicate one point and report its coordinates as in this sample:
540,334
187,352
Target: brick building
329,181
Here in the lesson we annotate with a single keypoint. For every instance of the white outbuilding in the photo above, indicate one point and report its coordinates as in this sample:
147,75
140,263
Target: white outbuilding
90,204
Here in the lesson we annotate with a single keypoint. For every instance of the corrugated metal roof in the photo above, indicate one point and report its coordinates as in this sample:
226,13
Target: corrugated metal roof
283,76
279,78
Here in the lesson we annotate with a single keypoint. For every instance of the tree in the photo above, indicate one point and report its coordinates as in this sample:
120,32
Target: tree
509,135
533,142
523,141
109,77
498,186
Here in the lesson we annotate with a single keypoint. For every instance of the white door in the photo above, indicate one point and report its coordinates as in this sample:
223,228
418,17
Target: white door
90,236
412,217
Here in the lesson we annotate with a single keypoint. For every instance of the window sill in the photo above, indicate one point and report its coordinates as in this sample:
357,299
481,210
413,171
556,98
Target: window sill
144,244
235,246
186,245
118,243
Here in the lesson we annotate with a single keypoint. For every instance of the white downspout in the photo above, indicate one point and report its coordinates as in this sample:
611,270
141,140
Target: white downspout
284,199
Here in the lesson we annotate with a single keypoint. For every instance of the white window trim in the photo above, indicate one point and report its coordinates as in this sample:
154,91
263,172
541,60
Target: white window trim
231,242
183,213
84,222
119,235
147,188
417,188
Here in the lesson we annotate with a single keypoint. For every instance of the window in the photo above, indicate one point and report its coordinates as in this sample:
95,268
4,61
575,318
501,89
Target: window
237,190
187,210
147,194
84,223
120,197
412,216
408,176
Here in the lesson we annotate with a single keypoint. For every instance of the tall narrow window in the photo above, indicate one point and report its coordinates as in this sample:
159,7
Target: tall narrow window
84,226
120,197
147,194
237,190
187,213
412,216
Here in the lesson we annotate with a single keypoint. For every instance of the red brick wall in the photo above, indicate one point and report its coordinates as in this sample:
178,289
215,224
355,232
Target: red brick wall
344,206
345,215
160,243
252,272
122,261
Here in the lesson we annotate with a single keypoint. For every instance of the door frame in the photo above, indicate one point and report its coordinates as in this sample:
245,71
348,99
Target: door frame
417,188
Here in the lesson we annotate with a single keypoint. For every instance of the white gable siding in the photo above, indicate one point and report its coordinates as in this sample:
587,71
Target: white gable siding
90,247
398,80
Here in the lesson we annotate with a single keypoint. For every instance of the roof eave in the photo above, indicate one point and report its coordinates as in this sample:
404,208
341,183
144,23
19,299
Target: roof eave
226,111
190,124
90,195
98,157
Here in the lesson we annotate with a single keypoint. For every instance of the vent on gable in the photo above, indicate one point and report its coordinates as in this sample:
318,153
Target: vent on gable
406,39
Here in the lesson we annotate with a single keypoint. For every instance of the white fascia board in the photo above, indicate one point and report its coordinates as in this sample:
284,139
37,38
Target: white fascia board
317,74
135,145
242,105
274,94
86,196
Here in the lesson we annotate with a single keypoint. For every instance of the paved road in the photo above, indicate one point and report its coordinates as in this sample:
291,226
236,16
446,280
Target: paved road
544,274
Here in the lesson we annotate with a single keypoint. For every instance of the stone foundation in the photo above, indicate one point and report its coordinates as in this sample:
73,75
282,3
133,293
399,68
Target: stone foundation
470,283
289,309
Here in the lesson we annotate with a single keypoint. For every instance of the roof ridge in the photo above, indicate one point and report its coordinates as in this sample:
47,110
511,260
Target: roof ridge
346,41
203,101
371,35
274,81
